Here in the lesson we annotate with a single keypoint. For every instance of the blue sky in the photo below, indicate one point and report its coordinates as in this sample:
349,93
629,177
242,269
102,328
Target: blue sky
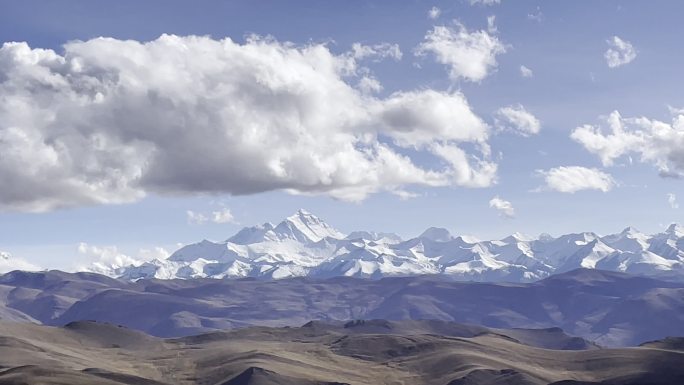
562,43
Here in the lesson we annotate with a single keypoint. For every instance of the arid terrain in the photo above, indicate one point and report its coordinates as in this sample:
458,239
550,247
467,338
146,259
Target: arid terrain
358,352
582,327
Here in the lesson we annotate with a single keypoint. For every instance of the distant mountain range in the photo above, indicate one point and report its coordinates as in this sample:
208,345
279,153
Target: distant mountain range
608,308
303,245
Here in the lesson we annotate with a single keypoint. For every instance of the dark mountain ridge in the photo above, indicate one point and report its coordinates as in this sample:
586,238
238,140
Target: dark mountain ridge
608,308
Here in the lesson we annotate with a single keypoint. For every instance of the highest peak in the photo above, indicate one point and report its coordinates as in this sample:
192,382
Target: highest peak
302,214
302,226
311,226
303,217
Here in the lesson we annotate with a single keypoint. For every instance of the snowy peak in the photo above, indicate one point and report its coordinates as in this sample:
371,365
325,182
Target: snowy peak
304,245
203,250
675,230
467,239
587,256
302,226
628,240
517,237
579,239
306,227
630,231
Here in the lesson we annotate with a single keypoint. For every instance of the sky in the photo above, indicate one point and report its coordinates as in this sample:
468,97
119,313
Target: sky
129,128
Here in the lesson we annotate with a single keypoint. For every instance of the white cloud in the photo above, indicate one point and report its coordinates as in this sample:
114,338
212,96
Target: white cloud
154,253
111,121
621,52
434,13
9,263
483,174
517,119
504,207
369,85
655,142
484,2
376,52
571,179
672,200
469,55
222,216
108,259
405,195
218,216
196,218
417,118
526,72
675,111
106,255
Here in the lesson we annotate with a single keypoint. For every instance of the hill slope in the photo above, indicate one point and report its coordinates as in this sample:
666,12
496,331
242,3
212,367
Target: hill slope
316,354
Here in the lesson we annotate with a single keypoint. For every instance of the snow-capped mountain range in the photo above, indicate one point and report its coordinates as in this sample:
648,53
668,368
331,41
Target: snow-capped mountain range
304,245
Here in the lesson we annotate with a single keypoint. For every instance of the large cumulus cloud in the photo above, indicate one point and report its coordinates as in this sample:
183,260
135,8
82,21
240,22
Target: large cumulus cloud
109,121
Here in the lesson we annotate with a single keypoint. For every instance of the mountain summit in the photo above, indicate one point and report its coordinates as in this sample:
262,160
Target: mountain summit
306,227
305,245
675,230
302,226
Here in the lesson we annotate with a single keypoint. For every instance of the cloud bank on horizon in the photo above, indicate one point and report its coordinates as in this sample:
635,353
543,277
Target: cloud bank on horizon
9,263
